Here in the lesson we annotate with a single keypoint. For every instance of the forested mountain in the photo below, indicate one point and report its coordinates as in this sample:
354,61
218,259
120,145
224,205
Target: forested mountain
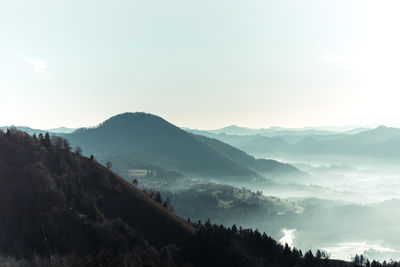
140,139
56,201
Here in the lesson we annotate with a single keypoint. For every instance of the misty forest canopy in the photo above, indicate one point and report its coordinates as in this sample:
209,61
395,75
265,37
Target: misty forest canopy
58,191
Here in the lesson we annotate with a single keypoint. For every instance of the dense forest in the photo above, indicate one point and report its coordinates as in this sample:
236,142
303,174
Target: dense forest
59,208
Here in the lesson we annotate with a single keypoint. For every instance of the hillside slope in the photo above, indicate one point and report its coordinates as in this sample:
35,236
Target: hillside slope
266,167
52,200
141,137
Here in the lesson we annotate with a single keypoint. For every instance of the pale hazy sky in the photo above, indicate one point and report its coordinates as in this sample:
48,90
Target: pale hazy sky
200,64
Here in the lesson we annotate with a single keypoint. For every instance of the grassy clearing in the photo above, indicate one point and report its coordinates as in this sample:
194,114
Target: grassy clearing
138,172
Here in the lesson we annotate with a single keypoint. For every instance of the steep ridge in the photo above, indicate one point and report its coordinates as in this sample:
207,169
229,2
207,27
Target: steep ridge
56,201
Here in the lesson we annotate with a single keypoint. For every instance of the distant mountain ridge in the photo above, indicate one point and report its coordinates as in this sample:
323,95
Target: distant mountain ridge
380,142
31,131
267,167
274,131
28,130
62,130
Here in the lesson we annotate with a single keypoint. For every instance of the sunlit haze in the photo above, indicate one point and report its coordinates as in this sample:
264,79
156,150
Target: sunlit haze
200,64
240,133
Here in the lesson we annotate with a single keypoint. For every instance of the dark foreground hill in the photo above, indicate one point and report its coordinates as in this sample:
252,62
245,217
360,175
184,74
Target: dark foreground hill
52,200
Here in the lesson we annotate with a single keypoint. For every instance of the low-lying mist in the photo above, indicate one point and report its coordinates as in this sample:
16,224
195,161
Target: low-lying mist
343,207
350,207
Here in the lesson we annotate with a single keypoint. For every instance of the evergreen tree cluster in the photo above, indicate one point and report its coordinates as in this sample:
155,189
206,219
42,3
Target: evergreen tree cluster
361,261
216,245
156,196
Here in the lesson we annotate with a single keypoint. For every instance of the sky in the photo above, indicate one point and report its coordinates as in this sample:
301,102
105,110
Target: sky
200,64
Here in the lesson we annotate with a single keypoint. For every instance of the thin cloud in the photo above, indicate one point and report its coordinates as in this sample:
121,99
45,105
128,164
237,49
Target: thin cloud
38,64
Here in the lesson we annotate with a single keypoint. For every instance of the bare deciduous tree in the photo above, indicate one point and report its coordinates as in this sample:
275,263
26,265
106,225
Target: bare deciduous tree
78,150
108,165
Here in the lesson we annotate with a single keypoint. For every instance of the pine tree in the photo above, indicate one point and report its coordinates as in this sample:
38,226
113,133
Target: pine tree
66,145
47,141
35,139
158,197
41,139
